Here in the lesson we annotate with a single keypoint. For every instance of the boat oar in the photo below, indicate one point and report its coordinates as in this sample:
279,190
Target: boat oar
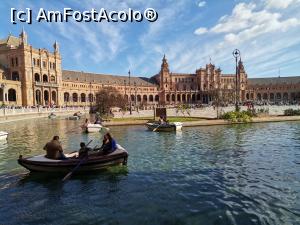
156,128
76,167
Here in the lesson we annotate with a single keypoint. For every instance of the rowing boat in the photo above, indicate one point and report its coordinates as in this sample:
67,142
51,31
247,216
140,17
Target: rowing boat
94,162
92,128
164,127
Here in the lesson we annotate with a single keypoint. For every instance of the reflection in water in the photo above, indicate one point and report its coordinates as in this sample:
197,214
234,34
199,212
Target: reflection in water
242,174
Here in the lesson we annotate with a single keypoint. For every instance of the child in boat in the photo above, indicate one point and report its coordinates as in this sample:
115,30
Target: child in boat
109,145
83,151
54,149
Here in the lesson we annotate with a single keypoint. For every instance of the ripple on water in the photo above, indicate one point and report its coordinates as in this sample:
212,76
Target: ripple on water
243,174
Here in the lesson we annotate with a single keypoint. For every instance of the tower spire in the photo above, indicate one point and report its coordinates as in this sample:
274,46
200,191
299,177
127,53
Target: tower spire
23,37
56,47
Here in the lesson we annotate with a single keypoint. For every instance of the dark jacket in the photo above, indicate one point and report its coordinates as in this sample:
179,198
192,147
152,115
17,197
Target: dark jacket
83,152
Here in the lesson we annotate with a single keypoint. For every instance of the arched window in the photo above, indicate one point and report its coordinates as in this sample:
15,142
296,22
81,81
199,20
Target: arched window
247,96
82,96
265,96
278,96
144,98
252,96
66,97
75,97
193,97
178,98
150,98
139,98
126,97
168,97
38,97
156,98
198,97
173,97
15,76
183,98
189,98
46,97
52,78
91,98
53,95
259,96
12,95
37,77
132,98
45,78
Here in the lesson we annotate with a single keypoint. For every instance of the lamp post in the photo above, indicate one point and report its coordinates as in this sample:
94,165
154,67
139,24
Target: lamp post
236,55
90,97
130,109
135,99
125,93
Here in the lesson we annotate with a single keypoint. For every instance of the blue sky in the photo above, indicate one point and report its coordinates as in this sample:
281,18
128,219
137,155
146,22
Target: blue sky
189,32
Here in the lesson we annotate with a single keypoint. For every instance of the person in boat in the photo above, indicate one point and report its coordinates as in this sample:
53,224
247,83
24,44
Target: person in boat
98,120
77,114
162,120
54,149
86,123
109,145
83,151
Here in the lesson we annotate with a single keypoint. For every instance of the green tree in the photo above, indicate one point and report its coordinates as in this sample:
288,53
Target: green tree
107,98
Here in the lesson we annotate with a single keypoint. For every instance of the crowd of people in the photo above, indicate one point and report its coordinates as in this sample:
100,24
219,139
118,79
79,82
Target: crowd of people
54,148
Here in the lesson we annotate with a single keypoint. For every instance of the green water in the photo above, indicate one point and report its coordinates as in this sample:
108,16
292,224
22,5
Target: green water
245,174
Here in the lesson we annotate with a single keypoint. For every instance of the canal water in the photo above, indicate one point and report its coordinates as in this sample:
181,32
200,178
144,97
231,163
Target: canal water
242,174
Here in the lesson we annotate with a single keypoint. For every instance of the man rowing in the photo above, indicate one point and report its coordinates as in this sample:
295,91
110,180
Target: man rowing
54,149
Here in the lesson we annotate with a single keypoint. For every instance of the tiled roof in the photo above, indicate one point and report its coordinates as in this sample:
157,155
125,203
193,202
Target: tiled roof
182,74
227,75
10,40
77,76
273,80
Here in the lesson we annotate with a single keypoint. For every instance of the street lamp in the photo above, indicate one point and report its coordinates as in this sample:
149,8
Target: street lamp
135,100
236,55
90,97
125,94
130,110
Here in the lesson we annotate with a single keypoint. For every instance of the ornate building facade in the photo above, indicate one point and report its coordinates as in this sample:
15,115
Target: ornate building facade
30,76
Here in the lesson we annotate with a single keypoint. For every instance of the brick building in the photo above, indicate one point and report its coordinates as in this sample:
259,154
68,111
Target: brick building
30,76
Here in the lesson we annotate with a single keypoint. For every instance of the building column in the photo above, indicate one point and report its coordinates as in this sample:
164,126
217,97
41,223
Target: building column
42,97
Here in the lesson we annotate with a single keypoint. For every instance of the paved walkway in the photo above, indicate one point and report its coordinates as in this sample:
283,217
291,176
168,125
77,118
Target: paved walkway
206,112
18,117
210,122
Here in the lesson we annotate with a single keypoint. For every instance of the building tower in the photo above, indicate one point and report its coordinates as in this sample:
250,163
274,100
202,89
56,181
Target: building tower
165,80
56,47
23,37
242,80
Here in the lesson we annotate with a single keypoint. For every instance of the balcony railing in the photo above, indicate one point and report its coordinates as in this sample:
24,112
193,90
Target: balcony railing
46,84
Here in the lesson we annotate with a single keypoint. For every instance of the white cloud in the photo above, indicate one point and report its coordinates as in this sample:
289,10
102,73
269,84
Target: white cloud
201,4
201,30
280,4
246,23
